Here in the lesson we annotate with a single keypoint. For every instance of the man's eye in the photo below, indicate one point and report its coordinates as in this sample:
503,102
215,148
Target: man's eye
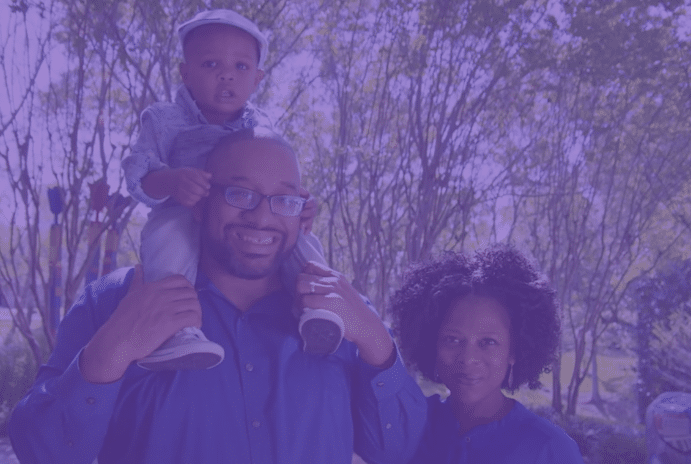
288,201
241,196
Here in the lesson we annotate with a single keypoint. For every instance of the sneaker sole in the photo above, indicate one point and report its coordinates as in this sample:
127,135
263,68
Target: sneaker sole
321,336
196,357
192,361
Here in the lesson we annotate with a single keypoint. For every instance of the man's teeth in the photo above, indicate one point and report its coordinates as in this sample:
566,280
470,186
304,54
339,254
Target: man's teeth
257,240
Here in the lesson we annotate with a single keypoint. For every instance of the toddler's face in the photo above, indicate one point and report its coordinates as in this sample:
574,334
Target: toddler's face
220,70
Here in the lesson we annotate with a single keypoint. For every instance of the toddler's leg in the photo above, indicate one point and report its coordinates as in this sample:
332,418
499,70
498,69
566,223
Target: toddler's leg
170,245
321,330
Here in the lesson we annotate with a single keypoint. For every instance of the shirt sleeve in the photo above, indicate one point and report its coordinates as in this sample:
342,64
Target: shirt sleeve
389,413
148,154
63,418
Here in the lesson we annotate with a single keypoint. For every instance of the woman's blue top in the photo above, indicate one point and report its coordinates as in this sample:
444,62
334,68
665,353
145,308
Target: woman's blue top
520,437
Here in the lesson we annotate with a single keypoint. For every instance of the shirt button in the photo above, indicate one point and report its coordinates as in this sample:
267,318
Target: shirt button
90,400
467,439
256,424
249,367
380,384
388,426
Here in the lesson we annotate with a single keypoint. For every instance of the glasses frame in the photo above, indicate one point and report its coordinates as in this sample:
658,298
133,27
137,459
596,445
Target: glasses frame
270,199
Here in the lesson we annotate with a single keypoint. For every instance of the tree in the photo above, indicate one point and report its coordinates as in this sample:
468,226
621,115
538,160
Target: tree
65,134
420,126
609,133
87,73
411,144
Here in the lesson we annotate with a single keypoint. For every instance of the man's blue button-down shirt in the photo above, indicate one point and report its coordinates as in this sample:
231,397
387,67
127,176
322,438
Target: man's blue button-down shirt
267,402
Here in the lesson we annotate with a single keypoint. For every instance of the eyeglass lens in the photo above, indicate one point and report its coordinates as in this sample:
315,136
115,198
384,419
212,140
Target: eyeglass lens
285,205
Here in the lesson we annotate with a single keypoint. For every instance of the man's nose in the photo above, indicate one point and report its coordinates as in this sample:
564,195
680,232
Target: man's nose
261,214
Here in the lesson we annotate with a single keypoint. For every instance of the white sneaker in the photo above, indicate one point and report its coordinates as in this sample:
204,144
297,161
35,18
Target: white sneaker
321,331
188,349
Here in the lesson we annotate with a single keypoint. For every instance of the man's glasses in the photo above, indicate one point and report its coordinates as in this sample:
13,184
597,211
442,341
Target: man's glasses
284,205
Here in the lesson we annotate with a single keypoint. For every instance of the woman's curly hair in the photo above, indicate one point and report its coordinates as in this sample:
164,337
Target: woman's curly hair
500,272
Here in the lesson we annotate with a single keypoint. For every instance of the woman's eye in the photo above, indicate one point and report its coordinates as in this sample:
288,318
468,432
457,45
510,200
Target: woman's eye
488,342
449,339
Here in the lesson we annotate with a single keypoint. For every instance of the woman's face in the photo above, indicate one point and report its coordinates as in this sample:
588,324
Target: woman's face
474,351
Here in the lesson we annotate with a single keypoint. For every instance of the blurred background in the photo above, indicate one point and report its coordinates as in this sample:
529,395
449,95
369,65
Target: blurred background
563,127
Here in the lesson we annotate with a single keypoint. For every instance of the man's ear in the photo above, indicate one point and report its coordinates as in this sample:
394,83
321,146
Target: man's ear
258,78
198,210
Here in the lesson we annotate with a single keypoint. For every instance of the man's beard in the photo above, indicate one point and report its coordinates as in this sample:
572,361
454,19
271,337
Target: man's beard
232,262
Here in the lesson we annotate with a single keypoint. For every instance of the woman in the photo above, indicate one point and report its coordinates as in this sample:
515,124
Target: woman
481,325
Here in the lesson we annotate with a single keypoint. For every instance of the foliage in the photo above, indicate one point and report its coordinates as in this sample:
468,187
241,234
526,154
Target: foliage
671,349
601,441
17,371
421,127
62,133
592,185
663,302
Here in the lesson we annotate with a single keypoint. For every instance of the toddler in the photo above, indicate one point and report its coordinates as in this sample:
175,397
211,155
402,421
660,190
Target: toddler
224,54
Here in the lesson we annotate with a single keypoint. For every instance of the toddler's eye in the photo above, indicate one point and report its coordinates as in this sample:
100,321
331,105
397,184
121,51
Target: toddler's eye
209,64
242,66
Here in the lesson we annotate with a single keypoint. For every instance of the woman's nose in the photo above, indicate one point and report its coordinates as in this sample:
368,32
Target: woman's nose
467,353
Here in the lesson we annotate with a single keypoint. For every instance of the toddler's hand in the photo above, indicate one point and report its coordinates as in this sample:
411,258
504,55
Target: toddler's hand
309,212
190,185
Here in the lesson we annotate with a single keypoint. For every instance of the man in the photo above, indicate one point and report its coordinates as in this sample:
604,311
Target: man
268,401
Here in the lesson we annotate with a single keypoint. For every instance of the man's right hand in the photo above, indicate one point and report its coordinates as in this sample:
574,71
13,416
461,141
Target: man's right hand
149,314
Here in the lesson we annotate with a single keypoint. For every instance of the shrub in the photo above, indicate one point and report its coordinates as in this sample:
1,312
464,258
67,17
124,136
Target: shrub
17,373
622,449
600,441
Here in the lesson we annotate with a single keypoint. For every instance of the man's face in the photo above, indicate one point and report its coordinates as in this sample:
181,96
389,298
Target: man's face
250,244
220,70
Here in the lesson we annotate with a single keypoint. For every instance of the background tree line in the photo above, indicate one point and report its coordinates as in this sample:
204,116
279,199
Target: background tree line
422,126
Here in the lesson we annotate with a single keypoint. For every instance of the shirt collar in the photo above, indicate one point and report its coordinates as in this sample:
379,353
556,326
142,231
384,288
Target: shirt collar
273,302
247,119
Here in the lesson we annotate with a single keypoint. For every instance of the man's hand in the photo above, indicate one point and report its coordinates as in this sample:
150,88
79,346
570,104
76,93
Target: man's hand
185,185
149,314
309,212
321,287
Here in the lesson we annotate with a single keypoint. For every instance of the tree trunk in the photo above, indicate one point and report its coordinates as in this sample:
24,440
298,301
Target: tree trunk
576,379
556,385
596,400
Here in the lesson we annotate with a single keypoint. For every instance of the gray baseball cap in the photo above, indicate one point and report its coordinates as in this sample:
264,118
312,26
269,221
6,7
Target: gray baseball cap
230,18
